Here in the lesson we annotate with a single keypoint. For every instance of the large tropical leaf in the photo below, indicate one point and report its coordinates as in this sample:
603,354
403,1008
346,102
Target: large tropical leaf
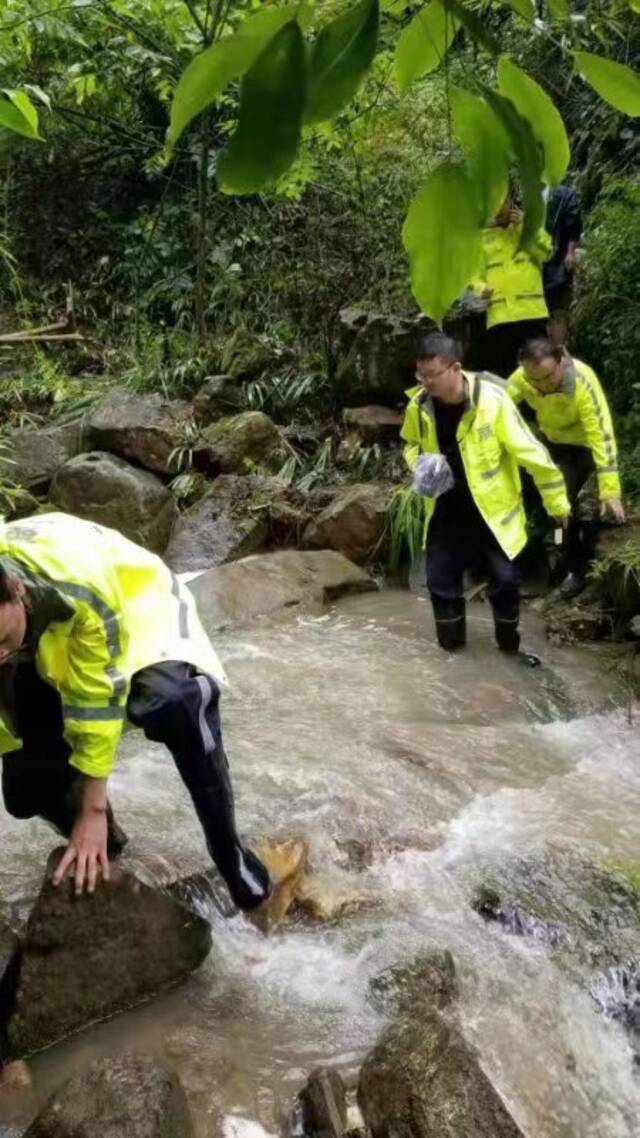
340,58
442,237
535,105
528,155
616,83
207,75
486,147
423,44
267,136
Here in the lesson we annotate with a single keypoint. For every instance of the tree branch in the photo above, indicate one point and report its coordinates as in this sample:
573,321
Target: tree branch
196,18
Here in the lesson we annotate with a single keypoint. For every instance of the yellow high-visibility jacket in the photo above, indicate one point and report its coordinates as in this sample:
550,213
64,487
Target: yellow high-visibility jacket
577,414
125,610
514,276
494,442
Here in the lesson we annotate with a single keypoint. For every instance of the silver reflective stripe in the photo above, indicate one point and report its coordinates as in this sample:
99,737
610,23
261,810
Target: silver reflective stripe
107,615
490,473
606,438
110,622
183,611
512,514
117,679
93,714
552,485
208,740
248,877
612,469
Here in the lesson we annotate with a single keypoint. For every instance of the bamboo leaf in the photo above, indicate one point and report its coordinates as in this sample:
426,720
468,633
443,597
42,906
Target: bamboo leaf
473,25
616,83
423,44
534,104
267,136
18,114
442,237
340,58
523,8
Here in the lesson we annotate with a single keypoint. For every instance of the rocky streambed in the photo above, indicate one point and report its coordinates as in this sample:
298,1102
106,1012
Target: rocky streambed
466,962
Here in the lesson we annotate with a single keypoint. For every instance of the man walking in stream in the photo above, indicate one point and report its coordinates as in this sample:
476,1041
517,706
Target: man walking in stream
464,441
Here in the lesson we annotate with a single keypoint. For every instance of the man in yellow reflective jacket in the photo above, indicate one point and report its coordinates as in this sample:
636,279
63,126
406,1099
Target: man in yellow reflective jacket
573,415
511,280
480,520
94,629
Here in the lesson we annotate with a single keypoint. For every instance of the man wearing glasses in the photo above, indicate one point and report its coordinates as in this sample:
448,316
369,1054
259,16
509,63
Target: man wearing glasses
95,630
465,441
573,415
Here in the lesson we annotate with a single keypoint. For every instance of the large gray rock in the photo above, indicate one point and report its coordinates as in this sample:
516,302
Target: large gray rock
238,443
422,1080
221,525
145,429
105,489
219,395
376,355
123,1096
428,982
274,584
86,958
353,524
588,916
30,458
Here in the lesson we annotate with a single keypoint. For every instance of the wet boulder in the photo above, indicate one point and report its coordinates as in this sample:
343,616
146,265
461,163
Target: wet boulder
221,526
219,395
373,424
237,443
588,917
30,458
85,958
353,523
145,429
274,585
426,983
102,488
323,1105
422,1080
128,1094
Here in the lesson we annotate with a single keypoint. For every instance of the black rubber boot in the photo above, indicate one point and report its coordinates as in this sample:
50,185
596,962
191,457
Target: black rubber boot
451,622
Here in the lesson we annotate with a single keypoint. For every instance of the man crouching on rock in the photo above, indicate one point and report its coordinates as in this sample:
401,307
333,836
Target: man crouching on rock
94,629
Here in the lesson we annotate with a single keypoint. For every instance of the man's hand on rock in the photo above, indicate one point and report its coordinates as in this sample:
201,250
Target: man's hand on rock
86,855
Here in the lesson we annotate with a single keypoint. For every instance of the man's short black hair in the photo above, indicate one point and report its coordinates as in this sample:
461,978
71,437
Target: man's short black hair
7,586
439,346
535,351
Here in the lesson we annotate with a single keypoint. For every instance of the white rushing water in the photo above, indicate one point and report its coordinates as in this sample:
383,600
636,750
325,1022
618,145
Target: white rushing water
355,727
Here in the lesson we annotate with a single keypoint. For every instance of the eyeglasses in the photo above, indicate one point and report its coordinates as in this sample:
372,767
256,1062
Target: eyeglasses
429,378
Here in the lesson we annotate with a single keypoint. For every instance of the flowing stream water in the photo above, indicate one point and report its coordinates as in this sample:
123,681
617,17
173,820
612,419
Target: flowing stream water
354,727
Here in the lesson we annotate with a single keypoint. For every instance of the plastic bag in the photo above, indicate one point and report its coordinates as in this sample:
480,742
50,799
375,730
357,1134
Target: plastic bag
432,475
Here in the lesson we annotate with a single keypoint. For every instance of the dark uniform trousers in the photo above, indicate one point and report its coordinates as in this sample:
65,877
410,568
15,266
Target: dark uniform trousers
174,704
577,466
467,543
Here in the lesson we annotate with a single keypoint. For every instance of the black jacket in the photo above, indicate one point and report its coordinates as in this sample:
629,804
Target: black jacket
564,223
